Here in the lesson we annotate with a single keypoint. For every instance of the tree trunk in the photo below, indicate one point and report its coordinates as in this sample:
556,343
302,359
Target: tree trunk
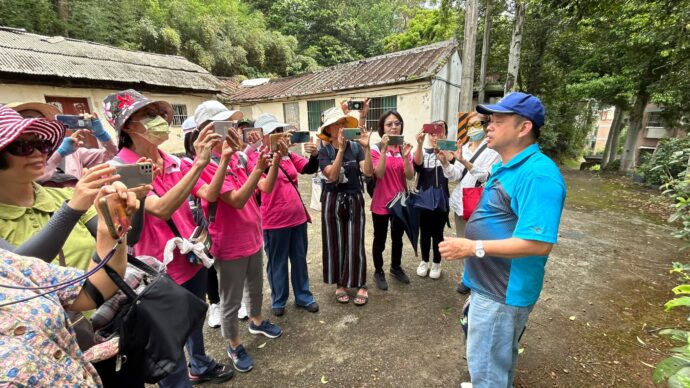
628,159
515,46
63,15
486,43
610,156
468,54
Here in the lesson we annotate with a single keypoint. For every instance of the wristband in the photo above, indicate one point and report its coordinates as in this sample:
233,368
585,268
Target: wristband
67,147
101,134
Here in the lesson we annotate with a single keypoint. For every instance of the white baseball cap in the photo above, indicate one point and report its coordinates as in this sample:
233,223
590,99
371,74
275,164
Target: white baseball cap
213,110
268,123
188,125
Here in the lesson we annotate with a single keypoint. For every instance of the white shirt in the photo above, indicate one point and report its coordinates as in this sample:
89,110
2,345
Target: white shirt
481,169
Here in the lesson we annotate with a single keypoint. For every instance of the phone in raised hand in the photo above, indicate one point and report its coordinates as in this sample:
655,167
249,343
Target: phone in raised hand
112,208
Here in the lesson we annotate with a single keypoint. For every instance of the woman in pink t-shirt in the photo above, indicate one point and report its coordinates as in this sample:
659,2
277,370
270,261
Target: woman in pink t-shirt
392,169
235,228
284,219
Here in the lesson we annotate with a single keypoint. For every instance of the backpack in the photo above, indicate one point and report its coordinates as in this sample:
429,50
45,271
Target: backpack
368,183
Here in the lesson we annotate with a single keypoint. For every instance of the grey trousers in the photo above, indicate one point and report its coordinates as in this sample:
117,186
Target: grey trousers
232,277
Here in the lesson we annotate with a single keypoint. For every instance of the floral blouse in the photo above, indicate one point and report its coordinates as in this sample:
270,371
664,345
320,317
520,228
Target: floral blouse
37,346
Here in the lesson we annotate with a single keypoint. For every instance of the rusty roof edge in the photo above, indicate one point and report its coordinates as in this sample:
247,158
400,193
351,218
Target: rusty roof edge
198,70
327,91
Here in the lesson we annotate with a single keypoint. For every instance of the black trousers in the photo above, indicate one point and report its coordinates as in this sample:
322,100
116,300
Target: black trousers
380,235
431,224
212,286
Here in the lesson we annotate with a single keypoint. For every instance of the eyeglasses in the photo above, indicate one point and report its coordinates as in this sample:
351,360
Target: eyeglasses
477,124
27,147
392,124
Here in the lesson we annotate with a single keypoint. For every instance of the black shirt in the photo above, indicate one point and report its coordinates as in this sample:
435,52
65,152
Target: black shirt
354,154
431,172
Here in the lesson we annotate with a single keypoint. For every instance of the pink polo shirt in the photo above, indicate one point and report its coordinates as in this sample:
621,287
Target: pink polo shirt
283,207
393,180
236,233
156,232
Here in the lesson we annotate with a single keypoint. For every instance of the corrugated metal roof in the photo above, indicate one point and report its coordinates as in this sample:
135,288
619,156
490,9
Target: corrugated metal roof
25,53
404,66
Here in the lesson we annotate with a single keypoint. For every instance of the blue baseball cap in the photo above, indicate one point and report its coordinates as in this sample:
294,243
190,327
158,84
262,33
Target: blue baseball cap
523,104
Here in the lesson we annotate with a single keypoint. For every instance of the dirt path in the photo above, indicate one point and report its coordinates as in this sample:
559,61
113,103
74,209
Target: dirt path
606,283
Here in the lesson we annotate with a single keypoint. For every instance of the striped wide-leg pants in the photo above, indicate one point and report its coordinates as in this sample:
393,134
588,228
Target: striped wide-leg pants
342,223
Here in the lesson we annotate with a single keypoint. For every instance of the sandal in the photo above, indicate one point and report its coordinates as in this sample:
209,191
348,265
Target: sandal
342,297
361,300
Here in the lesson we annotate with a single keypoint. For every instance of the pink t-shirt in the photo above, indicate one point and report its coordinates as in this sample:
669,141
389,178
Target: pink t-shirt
236,233
283,207
156,232
393,180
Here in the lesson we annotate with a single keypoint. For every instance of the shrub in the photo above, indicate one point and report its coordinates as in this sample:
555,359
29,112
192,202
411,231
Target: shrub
667,162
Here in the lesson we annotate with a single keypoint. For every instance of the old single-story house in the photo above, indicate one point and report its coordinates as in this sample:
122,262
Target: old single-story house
76,75
423,84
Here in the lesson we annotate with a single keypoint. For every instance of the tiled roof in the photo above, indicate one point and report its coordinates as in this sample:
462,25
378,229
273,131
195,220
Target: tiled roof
38,55
401,67
229,86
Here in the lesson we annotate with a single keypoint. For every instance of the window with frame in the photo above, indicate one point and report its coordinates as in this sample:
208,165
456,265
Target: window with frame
180,114
314,110
377,107
654,119
291,113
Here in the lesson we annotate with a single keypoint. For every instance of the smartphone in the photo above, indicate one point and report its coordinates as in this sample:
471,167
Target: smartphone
446,145
288,128
112,208
300,137
246,133
273,140
355,105
396,140
135,175
352,133
433,128
74,122
221,127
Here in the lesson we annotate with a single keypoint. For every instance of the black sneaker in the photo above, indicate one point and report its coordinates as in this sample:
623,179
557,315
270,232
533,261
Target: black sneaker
462,288
278,311
380,280
400,275
219,374
312,308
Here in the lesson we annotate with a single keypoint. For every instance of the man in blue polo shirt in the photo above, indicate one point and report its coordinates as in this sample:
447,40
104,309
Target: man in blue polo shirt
508,239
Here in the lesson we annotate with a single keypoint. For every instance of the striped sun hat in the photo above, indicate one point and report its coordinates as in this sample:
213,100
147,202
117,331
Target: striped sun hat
12,125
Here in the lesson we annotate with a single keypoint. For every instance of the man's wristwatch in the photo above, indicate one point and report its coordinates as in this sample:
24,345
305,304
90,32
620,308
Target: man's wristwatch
479,249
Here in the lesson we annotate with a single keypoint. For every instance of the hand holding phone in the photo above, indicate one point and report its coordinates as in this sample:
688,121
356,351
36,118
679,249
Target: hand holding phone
222,127
252,135
355,105
113,209
136,174
300,137
396,140
74,122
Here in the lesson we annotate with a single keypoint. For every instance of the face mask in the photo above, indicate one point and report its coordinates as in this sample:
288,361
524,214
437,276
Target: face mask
157,130
476,134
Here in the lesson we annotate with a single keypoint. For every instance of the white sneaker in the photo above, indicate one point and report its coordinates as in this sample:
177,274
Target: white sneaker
242,312
435,272
214,315
465,385
423,269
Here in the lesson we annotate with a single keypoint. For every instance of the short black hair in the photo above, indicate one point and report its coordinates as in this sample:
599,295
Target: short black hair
189,139
382,121
123,140
4,163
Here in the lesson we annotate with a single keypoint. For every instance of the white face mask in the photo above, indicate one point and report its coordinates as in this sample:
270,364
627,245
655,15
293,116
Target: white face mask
157,130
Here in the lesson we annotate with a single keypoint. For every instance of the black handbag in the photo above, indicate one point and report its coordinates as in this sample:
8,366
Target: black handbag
154,325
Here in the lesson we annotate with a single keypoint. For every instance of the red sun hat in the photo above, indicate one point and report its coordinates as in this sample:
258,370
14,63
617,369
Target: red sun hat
12,125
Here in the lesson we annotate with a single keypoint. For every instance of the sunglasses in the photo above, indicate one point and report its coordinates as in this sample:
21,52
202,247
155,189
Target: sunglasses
27,147
395,123
152,114
477,124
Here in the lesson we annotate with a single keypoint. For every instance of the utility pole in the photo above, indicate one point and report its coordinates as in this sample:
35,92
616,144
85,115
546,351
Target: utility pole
486,42
515,46
468,52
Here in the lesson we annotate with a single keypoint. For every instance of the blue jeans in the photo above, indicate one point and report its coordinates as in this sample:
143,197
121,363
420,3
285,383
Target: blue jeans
200,363
280,245
492,341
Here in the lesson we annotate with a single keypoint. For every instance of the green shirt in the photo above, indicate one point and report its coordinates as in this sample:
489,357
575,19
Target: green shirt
18,224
